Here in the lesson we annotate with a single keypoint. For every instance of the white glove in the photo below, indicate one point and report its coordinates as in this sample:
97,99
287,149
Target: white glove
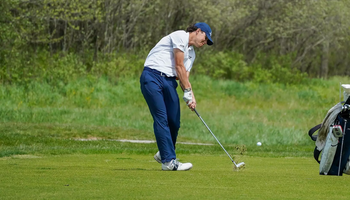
188,96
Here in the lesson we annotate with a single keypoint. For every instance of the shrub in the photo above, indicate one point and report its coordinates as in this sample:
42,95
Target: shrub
63,68
264,69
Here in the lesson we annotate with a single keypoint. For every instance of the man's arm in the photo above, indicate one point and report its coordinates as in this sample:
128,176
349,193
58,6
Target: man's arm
182,86
183,77
181,70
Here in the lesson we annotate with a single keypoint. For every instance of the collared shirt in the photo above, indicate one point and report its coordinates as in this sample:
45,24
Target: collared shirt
161,57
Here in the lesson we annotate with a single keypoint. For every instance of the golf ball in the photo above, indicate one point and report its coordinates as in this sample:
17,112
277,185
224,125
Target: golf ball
259,143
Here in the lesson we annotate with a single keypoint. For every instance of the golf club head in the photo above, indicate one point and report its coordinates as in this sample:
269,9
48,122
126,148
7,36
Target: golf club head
239,166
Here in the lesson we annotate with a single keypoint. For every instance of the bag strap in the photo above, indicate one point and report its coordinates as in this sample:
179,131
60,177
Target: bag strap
317,154
314,138
312,130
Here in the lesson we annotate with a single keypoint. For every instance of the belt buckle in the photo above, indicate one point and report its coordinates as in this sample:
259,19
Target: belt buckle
162,74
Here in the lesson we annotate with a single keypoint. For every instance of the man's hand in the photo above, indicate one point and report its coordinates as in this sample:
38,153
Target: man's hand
193,104
187,96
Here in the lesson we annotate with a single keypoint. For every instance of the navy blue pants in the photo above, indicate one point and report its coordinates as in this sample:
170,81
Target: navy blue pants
161,96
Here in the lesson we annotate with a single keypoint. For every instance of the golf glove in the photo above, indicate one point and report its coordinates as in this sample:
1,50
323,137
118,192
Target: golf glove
188,96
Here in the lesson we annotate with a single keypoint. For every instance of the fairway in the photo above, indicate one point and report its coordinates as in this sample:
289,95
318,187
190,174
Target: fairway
131,176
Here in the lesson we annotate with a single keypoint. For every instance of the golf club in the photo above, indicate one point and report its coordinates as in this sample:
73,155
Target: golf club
341,149
236,166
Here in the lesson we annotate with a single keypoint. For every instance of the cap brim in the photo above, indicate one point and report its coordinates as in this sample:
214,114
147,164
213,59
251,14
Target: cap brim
210,41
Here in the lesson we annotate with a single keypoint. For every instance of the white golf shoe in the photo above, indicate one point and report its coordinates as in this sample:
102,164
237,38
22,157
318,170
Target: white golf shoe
157,157
175,165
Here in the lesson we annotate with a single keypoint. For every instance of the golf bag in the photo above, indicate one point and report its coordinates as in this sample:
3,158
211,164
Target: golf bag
333,141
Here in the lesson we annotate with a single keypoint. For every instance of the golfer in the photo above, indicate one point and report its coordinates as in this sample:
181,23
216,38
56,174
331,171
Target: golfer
170,60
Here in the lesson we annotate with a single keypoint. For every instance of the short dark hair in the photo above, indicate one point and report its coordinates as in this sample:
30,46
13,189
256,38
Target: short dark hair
191,28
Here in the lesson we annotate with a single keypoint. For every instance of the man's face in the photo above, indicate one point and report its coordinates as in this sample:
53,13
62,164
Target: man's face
201,38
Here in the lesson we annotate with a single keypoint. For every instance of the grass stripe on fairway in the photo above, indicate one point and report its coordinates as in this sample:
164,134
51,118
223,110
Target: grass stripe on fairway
130,176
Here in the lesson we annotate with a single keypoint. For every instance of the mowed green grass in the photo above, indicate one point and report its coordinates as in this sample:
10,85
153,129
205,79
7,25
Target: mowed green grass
132,176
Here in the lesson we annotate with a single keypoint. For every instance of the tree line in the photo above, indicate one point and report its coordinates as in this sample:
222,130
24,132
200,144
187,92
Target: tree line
313,35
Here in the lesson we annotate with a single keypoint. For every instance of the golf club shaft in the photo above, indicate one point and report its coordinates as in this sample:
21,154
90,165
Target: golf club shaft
214,137
341,148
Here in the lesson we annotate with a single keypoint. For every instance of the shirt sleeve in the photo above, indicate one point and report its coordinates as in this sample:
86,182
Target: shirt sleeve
178,41
190,60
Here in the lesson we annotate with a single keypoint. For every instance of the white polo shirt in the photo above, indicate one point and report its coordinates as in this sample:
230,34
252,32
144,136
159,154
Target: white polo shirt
161,57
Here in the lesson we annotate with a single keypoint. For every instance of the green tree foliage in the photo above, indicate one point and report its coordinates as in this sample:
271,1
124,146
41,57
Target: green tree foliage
10,41
288,36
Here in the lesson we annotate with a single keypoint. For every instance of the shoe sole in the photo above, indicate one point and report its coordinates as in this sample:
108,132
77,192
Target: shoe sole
177,170
166,169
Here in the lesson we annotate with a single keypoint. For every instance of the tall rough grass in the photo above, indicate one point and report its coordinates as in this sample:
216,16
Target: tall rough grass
237,112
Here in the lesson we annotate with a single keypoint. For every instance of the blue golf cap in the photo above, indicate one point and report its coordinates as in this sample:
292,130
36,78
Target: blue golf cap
207,30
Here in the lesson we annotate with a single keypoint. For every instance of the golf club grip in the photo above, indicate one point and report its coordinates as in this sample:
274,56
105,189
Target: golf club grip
196,113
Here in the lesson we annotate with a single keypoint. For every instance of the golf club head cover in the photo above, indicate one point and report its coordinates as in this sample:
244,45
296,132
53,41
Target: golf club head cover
345,111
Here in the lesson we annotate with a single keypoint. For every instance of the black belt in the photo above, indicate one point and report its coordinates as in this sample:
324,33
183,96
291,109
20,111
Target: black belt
158,72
